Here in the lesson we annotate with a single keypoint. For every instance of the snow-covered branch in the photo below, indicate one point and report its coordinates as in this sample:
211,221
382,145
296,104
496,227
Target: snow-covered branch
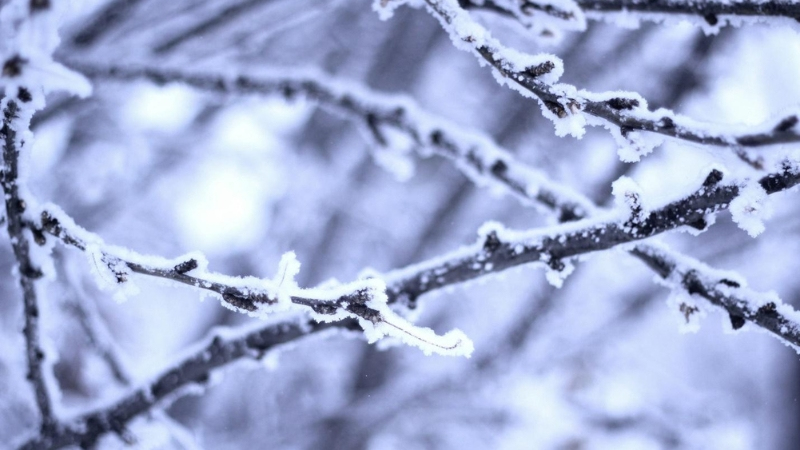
195,370
725,290
478,157
13,133
625,114
708,14
498,249
382,116
363,300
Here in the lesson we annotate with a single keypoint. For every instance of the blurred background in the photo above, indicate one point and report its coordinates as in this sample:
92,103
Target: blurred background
599,363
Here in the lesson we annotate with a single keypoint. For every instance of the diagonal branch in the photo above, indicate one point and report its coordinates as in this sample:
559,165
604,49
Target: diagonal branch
220,351
364,300
712,12
479,158
495,251
12,135
571,109
475,154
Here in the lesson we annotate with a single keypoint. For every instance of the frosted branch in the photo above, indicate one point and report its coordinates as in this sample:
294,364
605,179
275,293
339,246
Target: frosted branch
12,133
475,154
626,115
498,249
195,370
707,13
724,290
479,158
363,300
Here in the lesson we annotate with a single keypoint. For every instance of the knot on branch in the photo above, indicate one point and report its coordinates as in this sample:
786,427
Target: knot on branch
24,95
245,301
699,224
556,264
491,242
556,108
730,283
713,178
768,308
737,321
29,271
186,266
666,123
498,168
786,124
12,67
628,194
118,268
621,103
437,137
540,69
693,285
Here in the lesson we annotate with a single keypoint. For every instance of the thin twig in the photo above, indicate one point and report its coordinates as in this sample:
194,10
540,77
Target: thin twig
628,114
475,154
708,11
28,272
192,371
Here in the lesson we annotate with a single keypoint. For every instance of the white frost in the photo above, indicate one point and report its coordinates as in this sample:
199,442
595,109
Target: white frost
750,208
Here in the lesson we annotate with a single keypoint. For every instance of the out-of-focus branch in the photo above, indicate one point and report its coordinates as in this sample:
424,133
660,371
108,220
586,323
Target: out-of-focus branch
103,21
474,153
98,337
708,11
497,250
568,107
192,371
12,131
477,156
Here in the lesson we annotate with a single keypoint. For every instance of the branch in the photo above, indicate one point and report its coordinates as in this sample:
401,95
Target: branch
625,114
476,155
364,300
12,133
498,249
727,292
195,370
480,159
710,13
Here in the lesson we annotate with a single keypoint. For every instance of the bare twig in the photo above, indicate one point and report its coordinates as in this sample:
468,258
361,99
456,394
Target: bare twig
219,352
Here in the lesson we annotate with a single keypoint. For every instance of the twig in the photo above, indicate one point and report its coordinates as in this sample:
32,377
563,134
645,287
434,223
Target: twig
479,158
28,272
194,370
475,154
708,11
564,104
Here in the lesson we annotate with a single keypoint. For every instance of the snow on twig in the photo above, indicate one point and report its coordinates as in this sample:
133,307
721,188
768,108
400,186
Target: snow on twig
474,153
636,129
363,300
487,164
222,349
29,31
709,15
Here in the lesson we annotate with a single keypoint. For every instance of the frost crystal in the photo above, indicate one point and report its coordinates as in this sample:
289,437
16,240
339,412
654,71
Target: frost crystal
750,208
628,195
